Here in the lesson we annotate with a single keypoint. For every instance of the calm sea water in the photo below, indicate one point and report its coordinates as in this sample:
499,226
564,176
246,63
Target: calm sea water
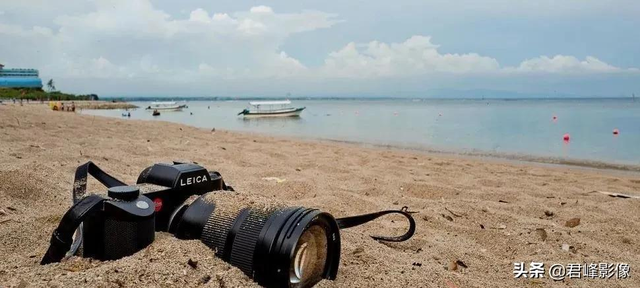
520,127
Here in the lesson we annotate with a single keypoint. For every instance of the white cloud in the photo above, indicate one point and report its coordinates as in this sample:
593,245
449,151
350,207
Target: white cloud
417,55
261,9
19,31
124,39
200,15
566,64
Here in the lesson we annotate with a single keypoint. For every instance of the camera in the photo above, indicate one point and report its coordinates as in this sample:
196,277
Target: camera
273,244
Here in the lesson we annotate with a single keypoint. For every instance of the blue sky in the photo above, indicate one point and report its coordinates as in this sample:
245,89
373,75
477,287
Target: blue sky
327,48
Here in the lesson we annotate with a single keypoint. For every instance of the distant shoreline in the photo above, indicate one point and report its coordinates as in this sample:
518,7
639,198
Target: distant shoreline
416,99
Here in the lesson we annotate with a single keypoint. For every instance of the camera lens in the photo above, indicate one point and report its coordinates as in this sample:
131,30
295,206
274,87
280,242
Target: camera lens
274,245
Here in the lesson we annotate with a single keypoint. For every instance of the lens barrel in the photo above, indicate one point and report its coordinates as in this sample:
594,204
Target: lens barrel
276,246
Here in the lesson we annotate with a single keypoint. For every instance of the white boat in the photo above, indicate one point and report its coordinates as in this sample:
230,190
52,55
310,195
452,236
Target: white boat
271,109
167,106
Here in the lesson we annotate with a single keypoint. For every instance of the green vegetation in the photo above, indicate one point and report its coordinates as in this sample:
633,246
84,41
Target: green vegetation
51,85
39,94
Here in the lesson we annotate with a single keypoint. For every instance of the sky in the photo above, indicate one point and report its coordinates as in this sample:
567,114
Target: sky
413,48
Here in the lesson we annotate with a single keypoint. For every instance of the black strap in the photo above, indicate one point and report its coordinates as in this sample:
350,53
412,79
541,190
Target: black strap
62,237
80,180
348,222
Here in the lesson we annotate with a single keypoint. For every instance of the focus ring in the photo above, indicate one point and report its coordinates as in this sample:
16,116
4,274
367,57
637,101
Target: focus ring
214,234
245,242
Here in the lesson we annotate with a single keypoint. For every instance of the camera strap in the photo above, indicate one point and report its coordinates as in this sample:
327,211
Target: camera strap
348,222
62,237
80,180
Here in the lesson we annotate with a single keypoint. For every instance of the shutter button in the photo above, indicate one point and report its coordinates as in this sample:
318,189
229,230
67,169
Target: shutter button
126,193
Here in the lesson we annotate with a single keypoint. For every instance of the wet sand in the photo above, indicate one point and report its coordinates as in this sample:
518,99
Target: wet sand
483,214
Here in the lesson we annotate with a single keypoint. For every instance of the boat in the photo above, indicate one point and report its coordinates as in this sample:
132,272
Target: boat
271,109
167,106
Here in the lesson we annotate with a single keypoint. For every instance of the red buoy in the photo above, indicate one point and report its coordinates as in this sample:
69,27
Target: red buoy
616,131
566,137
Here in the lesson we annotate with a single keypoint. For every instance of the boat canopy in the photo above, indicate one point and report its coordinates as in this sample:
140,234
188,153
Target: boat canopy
256,103
164,103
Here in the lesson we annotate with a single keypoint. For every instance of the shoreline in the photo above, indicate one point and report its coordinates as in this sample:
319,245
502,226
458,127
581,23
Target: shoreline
80,104
485,213
509,157
101,105
477,154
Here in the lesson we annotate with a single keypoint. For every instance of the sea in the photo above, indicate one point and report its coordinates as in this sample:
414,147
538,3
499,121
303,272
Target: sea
528,129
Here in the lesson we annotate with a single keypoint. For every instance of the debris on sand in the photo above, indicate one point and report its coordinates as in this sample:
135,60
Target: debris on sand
548,213
542,234
454,214
205,279
569,248
618,195
193,264
450,284
447,217
276,179
454,265
502,201
573,222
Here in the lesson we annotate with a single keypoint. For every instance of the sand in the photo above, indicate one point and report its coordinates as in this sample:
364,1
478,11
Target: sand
481,213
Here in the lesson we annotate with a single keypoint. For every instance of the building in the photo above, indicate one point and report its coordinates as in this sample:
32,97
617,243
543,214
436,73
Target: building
19,78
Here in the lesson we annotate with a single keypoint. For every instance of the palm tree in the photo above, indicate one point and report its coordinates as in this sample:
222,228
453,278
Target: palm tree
51,85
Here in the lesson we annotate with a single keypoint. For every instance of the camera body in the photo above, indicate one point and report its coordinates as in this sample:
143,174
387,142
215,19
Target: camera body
170,185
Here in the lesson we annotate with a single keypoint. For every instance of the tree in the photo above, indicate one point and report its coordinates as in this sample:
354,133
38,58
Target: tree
51,85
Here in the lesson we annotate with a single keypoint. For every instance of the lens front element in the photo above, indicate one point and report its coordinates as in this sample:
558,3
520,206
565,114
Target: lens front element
310,257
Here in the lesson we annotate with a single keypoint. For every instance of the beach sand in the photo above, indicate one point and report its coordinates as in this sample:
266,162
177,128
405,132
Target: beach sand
484,214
